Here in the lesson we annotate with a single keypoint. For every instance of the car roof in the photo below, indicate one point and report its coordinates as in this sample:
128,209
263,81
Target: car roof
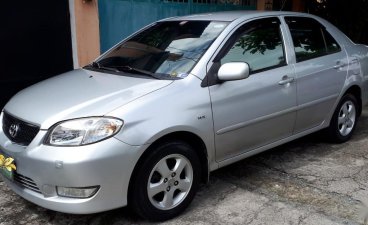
233,15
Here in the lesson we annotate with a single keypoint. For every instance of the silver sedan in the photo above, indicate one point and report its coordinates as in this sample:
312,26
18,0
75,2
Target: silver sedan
148,120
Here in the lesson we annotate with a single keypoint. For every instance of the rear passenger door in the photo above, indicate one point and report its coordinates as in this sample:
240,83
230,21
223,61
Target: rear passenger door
320,69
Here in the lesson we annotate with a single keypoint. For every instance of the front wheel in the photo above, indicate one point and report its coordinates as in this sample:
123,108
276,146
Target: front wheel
166,182
344,120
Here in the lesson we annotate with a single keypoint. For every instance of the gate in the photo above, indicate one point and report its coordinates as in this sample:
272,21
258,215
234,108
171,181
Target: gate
120,18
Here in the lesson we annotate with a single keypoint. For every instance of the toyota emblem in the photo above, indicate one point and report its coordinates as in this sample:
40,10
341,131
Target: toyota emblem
13,130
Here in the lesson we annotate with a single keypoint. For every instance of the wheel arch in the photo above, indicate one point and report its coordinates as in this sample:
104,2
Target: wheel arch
190,138
356,91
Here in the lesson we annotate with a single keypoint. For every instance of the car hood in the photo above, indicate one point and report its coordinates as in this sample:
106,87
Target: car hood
79,93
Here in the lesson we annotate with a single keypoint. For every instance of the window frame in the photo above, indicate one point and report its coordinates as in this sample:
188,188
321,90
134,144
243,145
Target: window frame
239,31
211,68
322,32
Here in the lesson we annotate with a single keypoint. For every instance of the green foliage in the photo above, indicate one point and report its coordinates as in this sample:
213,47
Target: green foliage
259,41
155,39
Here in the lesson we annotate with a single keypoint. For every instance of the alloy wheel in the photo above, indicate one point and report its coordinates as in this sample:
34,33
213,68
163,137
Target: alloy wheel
170,181
346,118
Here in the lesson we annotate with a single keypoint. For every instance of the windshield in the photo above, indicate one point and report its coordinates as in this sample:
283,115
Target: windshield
165,50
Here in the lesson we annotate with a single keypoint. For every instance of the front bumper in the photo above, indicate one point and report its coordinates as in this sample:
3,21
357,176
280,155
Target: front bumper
108,164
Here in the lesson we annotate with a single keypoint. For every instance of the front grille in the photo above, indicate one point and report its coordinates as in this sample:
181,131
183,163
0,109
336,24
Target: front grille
25,131
26,182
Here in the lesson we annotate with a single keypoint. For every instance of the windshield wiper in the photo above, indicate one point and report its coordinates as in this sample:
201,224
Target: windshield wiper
98,66
120,69
136,70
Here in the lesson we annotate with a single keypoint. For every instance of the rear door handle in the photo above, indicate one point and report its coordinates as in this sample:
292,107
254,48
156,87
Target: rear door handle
353,61
286,80
339,65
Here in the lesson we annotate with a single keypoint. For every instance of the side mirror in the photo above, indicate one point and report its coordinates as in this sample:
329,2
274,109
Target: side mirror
233,71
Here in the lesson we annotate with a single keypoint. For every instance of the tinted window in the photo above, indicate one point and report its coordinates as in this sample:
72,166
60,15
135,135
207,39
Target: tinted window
168,49
310,38
258,43
331,44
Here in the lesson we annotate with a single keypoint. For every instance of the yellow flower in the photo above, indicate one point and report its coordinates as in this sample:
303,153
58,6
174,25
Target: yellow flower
7,163
2,160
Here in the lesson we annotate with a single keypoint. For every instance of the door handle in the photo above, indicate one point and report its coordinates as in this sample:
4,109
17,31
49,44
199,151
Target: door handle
354,61
339,65
286,80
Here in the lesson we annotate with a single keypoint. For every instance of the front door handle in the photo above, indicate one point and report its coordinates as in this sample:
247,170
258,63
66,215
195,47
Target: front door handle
286,80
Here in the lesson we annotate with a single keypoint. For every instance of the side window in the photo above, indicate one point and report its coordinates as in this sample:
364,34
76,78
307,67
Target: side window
331,44
258,43
310,38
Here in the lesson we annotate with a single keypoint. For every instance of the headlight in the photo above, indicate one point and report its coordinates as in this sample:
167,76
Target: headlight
83,131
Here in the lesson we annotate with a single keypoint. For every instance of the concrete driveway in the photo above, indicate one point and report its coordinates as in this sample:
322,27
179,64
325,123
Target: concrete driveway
307,181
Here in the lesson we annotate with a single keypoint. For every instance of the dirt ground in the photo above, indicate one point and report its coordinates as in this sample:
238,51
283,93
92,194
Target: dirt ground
308,181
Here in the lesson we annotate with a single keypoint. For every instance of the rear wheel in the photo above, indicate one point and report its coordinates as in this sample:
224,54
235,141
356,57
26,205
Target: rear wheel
166,182
344,120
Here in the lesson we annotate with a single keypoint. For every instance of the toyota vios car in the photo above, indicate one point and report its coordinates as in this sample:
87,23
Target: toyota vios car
148,120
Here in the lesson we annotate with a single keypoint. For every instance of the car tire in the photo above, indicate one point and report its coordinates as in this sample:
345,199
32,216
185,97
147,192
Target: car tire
344,119
165,182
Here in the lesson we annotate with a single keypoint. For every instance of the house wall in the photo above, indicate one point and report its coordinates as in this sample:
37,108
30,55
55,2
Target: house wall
264,4
286,5
298,5
87,30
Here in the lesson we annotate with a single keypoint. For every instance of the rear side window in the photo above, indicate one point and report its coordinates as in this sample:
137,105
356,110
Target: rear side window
310,38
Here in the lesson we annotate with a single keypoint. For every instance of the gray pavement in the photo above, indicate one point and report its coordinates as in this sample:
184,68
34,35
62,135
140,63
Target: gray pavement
308,181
